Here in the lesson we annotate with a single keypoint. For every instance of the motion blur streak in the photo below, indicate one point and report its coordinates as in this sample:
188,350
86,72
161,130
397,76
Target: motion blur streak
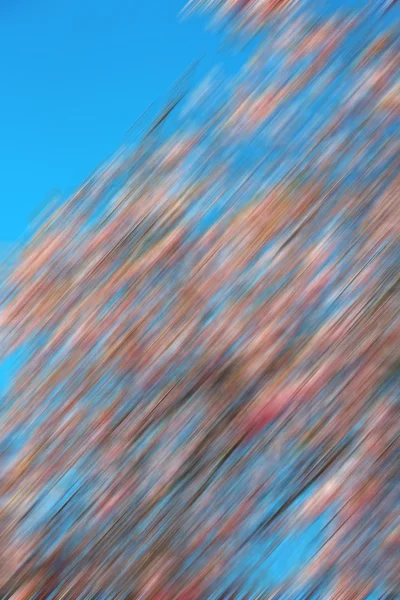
208,336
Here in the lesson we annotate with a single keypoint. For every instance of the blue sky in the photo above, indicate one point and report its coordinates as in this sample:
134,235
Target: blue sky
74,76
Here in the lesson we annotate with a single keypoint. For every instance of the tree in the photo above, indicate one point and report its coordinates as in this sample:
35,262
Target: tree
209,336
